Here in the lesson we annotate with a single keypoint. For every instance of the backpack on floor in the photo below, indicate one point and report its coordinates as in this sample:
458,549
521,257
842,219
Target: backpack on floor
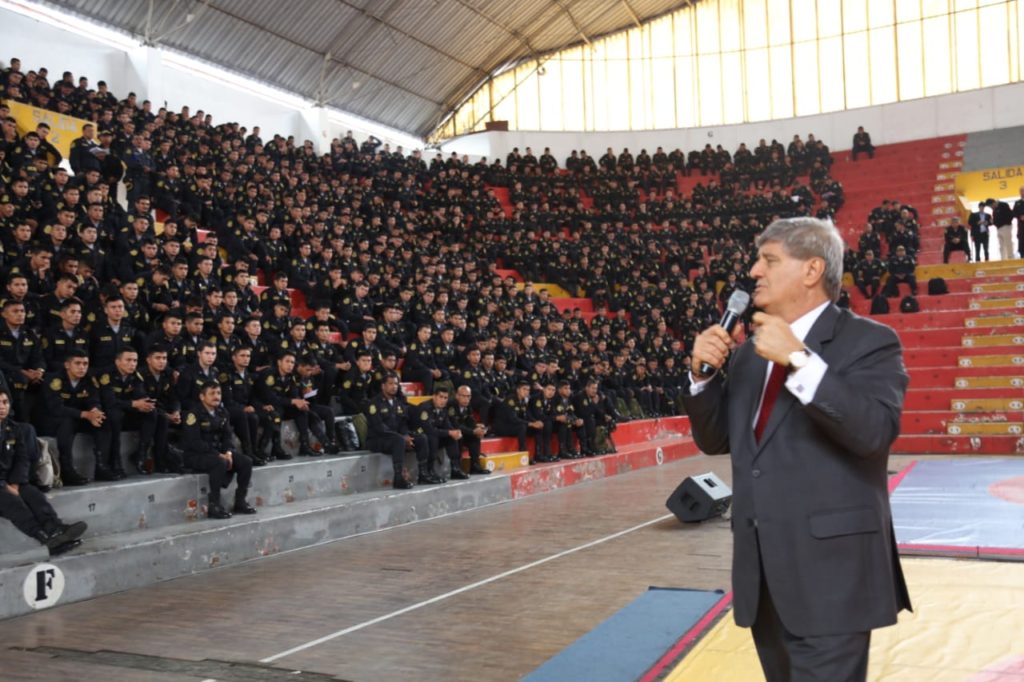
909,304
879,305
937,286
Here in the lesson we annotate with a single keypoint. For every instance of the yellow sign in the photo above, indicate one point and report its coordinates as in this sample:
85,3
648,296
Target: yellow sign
991,183
63,129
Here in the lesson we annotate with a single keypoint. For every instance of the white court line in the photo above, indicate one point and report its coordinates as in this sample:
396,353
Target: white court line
465,588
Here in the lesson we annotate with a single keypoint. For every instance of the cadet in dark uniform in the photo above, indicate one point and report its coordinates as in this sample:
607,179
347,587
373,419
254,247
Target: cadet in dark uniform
237,389
512,416
566,422
901,270
110,335
868,275
159,385
72,401
540,414
593,409
21,503
356,385
207,441
279,387
431,419
124,401
388,430
66,336
420,364
21,357
461,416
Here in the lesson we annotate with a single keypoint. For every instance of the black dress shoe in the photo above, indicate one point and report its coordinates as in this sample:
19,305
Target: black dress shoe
64,547
477,470
282,455
459,474
70,477
401,484
119,473
140,467
104,474
428,479
215,511
243,507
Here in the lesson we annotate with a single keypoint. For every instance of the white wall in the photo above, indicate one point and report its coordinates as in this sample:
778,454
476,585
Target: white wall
978,110
160,77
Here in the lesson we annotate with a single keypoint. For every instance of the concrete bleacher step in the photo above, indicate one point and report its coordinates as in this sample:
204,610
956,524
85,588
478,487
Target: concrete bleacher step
950,356
987,404
953,271
151,502
947,377
993,428
113,563
945,444
941,398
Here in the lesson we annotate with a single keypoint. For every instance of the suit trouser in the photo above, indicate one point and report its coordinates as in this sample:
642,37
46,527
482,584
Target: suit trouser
786,657
1005,234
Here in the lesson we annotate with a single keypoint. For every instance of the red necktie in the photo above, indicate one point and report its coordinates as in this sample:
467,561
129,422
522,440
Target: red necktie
775,382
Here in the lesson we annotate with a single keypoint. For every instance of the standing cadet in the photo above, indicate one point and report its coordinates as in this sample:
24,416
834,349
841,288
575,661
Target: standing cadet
461,416
388,431
207,441
431,419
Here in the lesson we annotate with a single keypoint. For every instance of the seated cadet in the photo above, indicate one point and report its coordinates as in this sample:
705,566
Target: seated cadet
237,393
225,340
512,417
72,401
595,410
64,336
21,357
321,417
566,422
431,419
127,406
461,416
541,412
388,430
278,389
21,503
331,359
356,385
169,337
159,383
208,446
201,370
420,364
253,339
110,334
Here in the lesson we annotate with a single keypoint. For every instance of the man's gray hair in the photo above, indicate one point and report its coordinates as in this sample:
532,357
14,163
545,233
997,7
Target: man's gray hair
806,238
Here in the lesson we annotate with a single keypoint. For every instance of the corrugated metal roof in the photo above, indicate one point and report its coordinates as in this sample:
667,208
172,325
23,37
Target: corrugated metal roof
403,63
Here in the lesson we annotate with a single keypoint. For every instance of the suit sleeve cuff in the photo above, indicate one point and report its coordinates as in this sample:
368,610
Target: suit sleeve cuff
803,383
698,385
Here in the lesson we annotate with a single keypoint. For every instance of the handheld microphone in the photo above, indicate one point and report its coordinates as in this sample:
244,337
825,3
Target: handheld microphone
734,310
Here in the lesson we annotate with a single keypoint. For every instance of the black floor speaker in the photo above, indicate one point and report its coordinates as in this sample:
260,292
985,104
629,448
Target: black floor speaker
699,498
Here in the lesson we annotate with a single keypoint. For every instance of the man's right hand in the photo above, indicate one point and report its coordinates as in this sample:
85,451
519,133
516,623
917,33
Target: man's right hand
712,346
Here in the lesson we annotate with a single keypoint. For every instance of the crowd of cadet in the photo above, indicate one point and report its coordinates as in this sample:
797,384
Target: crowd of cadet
110,324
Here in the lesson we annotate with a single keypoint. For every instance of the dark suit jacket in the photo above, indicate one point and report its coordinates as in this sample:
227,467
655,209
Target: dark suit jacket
810,501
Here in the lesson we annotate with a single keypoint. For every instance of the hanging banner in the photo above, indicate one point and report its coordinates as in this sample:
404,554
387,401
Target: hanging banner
63,129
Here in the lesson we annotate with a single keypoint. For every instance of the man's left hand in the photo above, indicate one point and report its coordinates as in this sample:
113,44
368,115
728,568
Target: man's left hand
774,340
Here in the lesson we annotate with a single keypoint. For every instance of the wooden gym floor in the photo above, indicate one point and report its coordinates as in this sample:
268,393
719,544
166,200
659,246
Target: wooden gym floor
488,594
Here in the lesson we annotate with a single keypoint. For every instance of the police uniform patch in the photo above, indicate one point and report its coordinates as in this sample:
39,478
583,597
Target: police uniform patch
270,381
55,385
538,403
468,374
104,379
347,384
423,416
373,409
190,420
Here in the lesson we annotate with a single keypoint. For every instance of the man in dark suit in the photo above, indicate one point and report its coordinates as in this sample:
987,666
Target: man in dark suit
808,409
979,223
1002,218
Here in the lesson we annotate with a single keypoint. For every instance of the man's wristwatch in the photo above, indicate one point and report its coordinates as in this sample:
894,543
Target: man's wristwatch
799,359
